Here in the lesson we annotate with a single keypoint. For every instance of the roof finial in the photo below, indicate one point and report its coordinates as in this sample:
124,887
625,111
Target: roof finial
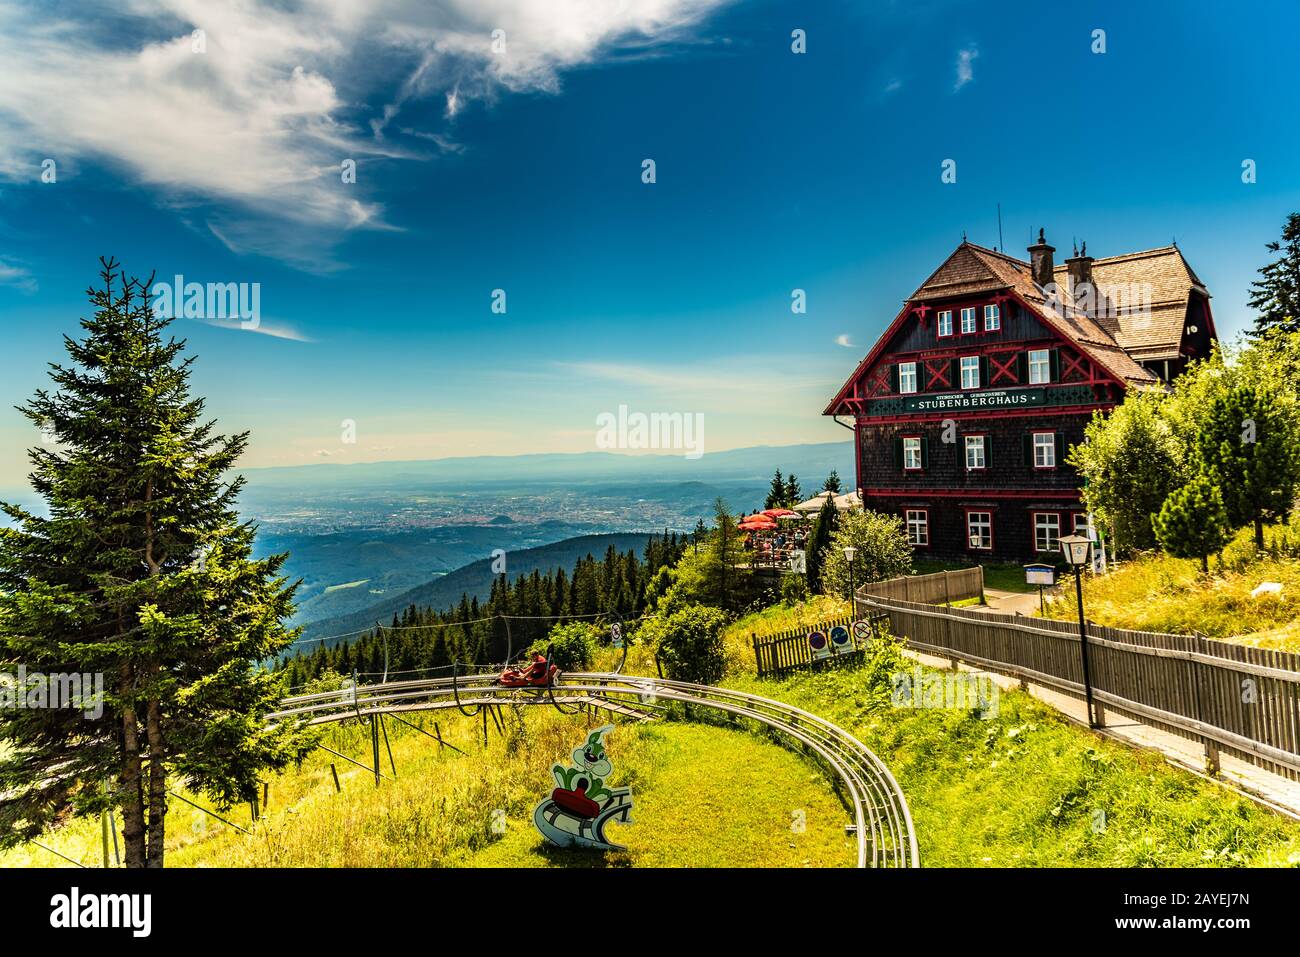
1083,251
1075,243
1040,235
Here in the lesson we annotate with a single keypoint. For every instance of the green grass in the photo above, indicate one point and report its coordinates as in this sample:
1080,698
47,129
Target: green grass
1027,789
703,796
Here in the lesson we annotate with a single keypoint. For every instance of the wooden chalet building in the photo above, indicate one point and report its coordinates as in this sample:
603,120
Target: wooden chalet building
964,410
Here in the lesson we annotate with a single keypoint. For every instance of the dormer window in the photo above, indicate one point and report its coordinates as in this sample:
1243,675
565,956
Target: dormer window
945,322
992,317
968,320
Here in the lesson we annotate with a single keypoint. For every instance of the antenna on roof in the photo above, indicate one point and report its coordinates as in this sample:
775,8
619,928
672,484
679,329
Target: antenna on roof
1001,244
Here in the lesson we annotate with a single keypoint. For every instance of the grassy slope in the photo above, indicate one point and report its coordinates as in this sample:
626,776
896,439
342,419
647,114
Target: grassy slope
703,797
1159,593
1026,788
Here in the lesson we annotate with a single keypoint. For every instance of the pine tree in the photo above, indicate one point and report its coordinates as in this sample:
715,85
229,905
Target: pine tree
776,492
1247,447
1193,522
1277,295
819,540
793,495
832,483
142,573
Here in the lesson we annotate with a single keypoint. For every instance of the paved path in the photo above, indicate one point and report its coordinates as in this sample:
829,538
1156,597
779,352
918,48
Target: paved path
1009,602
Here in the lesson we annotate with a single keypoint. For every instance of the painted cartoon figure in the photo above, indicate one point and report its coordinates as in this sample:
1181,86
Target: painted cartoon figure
581,805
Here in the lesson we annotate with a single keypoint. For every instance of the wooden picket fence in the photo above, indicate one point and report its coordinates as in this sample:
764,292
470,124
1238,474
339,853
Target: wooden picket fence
1232,698
780,654
939,588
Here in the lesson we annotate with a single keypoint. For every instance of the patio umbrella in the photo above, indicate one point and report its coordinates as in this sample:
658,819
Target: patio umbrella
779,513
813,504
757,523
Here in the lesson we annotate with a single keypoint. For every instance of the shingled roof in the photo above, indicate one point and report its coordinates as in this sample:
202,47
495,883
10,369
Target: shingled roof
973,269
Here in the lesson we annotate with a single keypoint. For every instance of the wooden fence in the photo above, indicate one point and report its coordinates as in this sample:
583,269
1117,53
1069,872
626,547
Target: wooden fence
1232,698
938,588
780,654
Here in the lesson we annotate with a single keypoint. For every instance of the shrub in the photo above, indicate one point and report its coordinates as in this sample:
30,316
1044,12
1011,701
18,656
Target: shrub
572,645
689,646
882,551
794,588
1193,522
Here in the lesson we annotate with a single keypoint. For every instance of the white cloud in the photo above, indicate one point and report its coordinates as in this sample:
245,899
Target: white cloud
893,86
965,68
843,340
248,136
16,276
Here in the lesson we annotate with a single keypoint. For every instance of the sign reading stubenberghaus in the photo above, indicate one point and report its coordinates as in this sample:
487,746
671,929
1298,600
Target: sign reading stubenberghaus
999,399
75,910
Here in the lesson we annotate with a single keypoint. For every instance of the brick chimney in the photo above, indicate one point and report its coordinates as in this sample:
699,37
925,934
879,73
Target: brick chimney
1040,259
1080,269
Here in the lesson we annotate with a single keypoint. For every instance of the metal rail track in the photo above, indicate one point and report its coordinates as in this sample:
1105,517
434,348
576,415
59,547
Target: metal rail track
882,823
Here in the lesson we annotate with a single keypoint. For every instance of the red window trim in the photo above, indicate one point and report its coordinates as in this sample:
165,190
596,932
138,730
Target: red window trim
966,529
1033,448
973,435
919,364
1033,532
928,537
984,318
976,330
920,438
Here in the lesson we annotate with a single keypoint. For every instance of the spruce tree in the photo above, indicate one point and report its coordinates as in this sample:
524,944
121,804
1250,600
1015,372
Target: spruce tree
792,492
776,492
1193,522
832,483
141,573
1247,447
1277,295
819,540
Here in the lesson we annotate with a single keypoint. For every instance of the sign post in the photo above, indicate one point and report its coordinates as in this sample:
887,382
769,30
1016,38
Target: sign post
1040,575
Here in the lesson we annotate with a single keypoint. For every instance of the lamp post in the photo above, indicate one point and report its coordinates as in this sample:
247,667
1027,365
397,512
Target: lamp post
849,552
1077,550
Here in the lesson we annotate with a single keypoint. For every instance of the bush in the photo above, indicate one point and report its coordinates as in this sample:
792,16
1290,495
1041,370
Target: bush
572,645
689,646
794,588
882,551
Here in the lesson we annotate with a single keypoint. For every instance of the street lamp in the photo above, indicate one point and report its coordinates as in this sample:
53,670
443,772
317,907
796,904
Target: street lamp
849,552
1078,551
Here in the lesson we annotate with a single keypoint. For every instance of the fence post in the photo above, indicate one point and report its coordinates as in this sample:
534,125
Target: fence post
338,788
947,590
758,662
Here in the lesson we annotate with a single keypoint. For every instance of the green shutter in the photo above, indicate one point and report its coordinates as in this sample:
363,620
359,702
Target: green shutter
1060,449
893,379
925,452
955,376
1054,364
984,372
1022,367
898,452
1027,449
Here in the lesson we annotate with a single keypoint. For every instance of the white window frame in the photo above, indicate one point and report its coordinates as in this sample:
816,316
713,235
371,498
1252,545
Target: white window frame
976,443
971,364
911,445
1047,458
987,530
944,323
1040,368
918,527
992,317
1079,521
911,378
968,312
1049,522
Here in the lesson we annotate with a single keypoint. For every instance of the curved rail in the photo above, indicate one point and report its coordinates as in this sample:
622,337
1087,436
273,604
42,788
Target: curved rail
882,822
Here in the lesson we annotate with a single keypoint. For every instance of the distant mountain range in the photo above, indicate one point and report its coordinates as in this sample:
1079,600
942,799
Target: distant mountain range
475,579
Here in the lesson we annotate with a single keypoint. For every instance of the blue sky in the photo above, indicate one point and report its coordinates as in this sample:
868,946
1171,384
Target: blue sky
522,171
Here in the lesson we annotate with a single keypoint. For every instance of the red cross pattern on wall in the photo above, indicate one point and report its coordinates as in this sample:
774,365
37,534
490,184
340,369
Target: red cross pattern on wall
1002,367
1074,366
938,372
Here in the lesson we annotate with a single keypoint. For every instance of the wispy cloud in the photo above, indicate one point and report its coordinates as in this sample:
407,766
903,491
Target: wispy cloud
17,277
843,340
277,330
893,86
245,124
965,66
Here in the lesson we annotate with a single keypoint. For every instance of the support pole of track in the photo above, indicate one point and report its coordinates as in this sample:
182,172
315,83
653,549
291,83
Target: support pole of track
374,744
391,763
103,826
338,788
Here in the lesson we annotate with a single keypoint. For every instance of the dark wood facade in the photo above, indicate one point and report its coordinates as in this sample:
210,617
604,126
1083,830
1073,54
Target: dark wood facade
964,420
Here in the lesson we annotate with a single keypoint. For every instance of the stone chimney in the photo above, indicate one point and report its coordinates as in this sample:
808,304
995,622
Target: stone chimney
1040,259
1080,268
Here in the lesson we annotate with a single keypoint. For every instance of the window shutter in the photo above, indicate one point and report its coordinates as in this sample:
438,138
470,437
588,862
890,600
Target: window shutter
1022,367
925,452
984,371
955,378
898,452
893,379
1027,448
1060,449
1054,364
988,451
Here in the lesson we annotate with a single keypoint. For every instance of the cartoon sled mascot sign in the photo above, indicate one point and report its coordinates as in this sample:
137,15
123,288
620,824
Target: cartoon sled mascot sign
581,805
